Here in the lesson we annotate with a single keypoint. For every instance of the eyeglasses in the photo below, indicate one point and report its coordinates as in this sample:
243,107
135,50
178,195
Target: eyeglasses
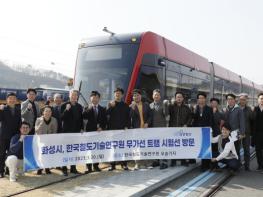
25,127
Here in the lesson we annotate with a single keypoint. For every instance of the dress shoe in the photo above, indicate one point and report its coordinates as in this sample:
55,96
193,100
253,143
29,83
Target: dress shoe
74,171
2,175
125,168
97,169
39,172
112,169
88,171
47,171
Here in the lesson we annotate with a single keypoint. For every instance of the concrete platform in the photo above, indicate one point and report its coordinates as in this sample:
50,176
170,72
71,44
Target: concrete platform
244,184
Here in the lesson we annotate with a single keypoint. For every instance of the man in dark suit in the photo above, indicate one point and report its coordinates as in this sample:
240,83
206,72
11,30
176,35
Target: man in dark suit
203,117
96,118
257,134
118,114
10,117
72,121
141,117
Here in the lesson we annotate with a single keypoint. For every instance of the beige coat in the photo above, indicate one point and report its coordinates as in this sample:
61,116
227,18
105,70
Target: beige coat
42,128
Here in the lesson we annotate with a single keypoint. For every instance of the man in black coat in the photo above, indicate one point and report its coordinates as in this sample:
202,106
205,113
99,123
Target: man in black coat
96,118
180,116
118,114
72,121
10,117
203,117
257,134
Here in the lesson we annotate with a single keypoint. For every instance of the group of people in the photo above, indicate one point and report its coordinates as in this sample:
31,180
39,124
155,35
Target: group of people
231,128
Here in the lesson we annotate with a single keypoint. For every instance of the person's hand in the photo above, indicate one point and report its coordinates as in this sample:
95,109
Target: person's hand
214,110
22,138
165,102
242,136
146,125
68,106
29,106
2,107
99,129
213,160
133,105
112,104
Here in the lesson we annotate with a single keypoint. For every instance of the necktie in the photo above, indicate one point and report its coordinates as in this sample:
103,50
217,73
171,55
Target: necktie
96,112
156,106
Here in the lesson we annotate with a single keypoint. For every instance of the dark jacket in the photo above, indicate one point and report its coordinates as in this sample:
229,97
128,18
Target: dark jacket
235,117
135,116
258,123
16,147
218,118
10,124
93,123
56,113
118,116
179,115
204,119
248,114
72,119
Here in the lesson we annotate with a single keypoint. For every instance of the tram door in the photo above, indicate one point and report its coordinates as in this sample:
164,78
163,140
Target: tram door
150,78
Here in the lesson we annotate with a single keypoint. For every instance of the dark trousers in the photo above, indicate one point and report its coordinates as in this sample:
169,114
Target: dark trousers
246,147
123,163
205,164
215,153
259,154
95,166
232,164
237,147
4,147
72,168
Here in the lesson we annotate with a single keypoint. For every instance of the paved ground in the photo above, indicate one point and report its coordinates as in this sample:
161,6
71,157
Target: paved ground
117,183
247,184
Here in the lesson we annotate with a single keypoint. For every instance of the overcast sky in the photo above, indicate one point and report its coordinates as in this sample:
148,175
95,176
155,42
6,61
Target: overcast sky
228,32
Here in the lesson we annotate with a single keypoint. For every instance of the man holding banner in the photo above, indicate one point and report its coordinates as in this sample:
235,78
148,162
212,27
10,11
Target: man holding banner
203,117
14,160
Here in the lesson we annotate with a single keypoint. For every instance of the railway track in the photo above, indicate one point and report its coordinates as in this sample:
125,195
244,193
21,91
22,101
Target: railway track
194,183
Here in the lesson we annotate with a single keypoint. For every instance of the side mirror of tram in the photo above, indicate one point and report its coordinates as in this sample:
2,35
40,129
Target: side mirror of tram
161,62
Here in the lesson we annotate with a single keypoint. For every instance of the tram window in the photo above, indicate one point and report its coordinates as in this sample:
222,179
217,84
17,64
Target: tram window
150,78
234,88
218,89
172,83
172,66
